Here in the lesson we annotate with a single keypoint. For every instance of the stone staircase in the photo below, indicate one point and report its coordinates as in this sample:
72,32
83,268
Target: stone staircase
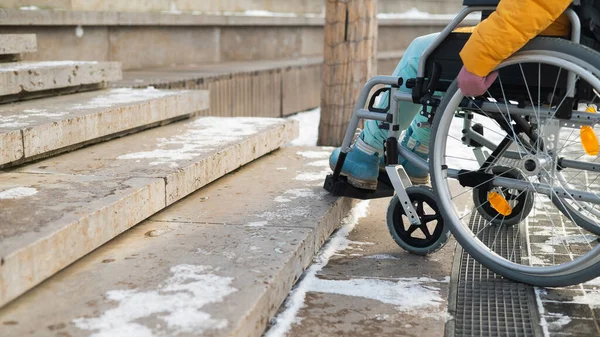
114,220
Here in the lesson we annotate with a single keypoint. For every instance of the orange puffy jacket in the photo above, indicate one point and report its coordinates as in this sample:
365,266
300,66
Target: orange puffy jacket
509,28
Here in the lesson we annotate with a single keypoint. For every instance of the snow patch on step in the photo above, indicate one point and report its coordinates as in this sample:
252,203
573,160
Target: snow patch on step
124,96
20,66
313,176
202,135
177,302
257,224
17,193
314,154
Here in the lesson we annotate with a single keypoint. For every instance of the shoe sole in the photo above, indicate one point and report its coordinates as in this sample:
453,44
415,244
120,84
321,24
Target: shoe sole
358,183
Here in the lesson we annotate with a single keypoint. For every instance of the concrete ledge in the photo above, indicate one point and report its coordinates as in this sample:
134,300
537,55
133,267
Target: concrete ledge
17,17
60,122
174,38
27,77
227,256
17,44
56,211
275,88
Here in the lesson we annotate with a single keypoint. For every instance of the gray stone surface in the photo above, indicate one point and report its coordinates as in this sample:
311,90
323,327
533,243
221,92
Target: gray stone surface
188,155
198,273
374,288
49,221
28,77
57,210
17,43
60,122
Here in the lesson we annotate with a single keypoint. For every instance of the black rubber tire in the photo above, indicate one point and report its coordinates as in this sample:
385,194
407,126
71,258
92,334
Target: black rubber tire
396,226
583,273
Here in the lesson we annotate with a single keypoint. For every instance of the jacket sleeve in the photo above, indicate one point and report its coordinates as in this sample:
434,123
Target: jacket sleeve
507,30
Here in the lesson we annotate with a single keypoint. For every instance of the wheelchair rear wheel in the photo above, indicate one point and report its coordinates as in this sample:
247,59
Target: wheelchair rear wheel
531,127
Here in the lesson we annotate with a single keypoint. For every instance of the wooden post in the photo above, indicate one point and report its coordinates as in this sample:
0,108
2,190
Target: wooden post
349,61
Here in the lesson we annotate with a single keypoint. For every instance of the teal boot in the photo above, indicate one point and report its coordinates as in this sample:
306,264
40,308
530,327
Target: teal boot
417,143
416,140
361,165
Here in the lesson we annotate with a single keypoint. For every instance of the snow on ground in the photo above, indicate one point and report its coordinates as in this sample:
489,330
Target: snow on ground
17,193
337,243
416,295
309,128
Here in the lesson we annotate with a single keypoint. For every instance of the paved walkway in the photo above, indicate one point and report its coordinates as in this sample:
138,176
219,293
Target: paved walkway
370,286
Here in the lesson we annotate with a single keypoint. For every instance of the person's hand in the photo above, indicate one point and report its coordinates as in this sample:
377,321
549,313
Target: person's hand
473,85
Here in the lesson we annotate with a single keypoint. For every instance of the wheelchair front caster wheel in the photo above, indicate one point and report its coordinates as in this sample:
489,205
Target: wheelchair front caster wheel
427,237
521,202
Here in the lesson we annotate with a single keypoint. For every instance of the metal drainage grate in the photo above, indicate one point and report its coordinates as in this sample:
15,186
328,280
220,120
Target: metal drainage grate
485,304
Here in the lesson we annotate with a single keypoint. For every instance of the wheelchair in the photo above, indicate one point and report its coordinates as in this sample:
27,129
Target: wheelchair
514,173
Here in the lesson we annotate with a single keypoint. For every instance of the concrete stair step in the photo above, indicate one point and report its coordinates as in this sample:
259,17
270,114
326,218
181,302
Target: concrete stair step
218,263
33,129
20,80
266,88
12,44
58,210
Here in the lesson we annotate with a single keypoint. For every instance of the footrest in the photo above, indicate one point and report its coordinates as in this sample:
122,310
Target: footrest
341,188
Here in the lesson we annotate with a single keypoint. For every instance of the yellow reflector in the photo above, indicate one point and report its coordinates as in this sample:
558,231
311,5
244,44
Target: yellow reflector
499,203
589,140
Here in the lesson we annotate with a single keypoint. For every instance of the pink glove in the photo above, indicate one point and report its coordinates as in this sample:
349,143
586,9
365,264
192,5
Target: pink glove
473,85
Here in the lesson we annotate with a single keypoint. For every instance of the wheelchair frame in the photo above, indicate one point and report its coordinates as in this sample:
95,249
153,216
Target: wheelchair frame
423,89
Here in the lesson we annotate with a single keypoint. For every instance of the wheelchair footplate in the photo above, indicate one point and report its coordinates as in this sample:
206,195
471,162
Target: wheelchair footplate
340,187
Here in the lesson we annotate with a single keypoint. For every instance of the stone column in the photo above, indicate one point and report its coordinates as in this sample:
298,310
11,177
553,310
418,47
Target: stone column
349,60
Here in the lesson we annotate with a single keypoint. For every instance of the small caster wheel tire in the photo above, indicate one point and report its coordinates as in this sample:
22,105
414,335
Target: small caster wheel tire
522,203
426,238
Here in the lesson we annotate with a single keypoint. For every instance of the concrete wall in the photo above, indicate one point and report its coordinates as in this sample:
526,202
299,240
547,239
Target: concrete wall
139,47
208,6
428,6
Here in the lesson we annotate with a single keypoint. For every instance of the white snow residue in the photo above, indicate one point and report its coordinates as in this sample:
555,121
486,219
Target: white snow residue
267,13
309,128
594,282
544,248
570,239
29,8
414,13
41,64
12,125
312,176
319,163
419,296
286,214
79,31
301,193
123,96
281,168
257,224
17,193
382,257
281,199
540,306
314,154
337,242
558,321
294,194
177,302
202,135
592,299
